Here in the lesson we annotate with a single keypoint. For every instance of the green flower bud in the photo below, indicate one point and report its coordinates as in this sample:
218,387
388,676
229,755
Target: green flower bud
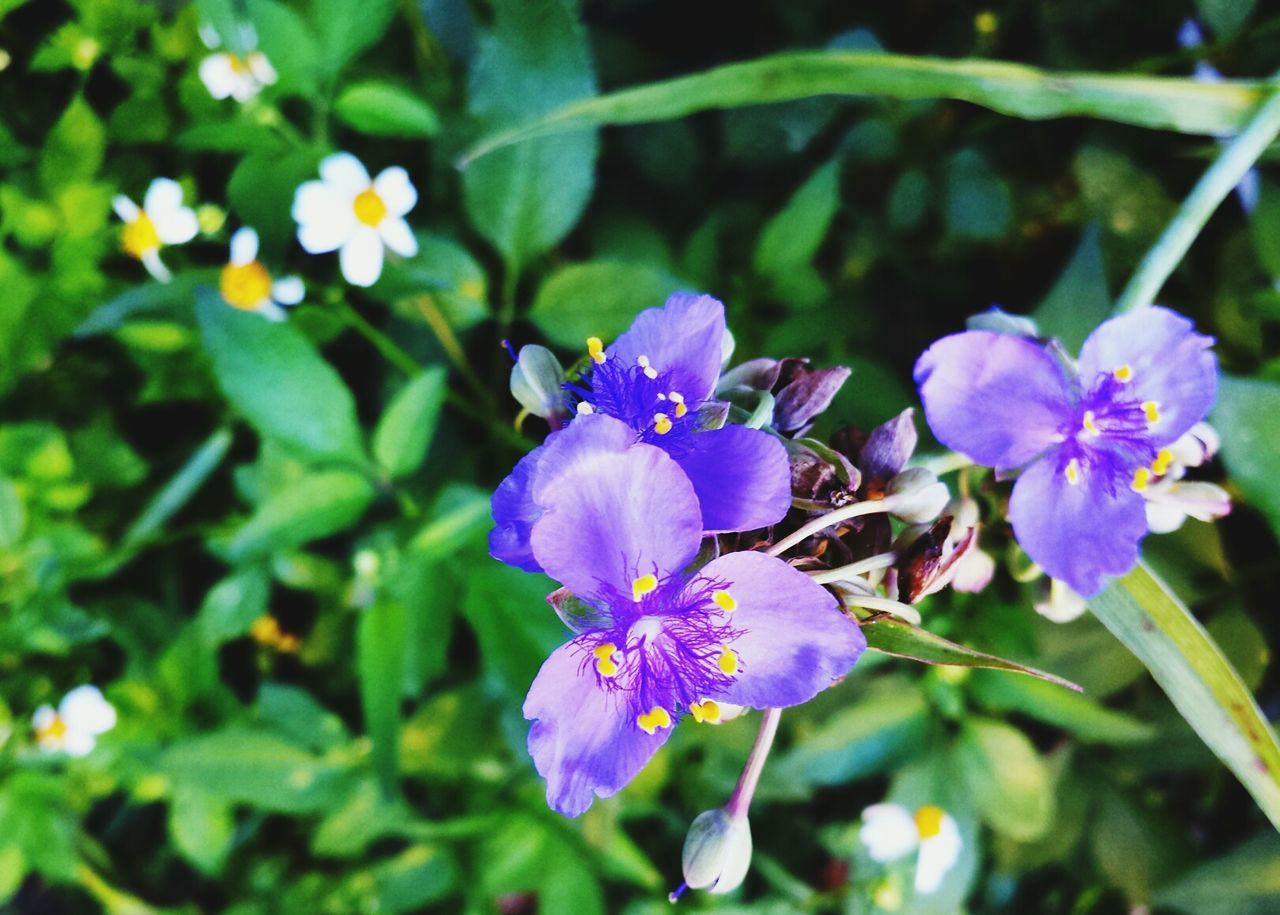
717,852
535,382
917,496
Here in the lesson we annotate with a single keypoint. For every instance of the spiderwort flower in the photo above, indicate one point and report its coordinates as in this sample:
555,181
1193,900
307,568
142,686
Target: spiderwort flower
229,75
1091,437
619,526
162,220
81,717
655,379
891,832
347,212
247,285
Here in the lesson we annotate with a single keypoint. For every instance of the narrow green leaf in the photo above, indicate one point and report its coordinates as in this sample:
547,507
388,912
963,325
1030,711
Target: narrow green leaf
317,505
597,299
1245,417
405,430
458,517
231,606
1091,722
1009,782
1079,300
1190,668
179,490
385,110
790,240
380,656
202,827
1163,103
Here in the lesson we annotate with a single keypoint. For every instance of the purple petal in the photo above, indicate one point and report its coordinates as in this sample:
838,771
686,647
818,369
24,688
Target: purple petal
795,641
514,512
807,395
1077,533
754,374
742,478
683,337
582,740
612,510
1000,400
888,447
1171,364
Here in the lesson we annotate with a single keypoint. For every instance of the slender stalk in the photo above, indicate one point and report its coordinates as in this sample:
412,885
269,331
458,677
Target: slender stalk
449,342
945,463
740,801
179,489
1232,164
853,569
822,522
888,605
390,350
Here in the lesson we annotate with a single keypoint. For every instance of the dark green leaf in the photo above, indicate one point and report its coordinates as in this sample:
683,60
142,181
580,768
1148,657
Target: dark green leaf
597,299
1007,779
1091,722
1246,419
347,27
1079,300
1246,881
317,505
405,430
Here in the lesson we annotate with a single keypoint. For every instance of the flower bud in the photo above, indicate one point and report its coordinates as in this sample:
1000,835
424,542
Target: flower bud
1196,446
917,495
536,381
717,852
1171,503
1062,605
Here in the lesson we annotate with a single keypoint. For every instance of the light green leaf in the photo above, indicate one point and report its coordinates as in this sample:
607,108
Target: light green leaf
446,273
317,505
13,515
516,630
202,828
261,191
231,606
290,44
1164,103
407,426
380,658
791,239
347,27
1246,881
1008,781
534,58
74,148
295,714
276,379
1091,722
1245,417
385,110
458,517
597,299
1151,621
417,877
13,871
860,740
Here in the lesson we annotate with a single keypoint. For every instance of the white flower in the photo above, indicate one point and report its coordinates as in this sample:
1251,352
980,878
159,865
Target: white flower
81,716
347,212
162,220
891,831
246,284
228,75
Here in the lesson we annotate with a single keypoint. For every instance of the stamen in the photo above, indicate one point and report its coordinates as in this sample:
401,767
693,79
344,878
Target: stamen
1164,458
605,663
728,660
708,710
725,601
1141,477
1123,373
649,371
1072,472
595,349
1152,409
655,718
585,409
1089,425
645,584
929,821
661,423
681,407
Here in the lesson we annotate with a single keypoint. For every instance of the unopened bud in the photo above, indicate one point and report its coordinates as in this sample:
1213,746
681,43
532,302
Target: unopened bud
1170,505
1062,605
1197,445
536,381
717,852
917,495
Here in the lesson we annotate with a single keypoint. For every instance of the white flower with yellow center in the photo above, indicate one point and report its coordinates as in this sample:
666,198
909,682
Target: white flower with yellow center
162,220
247,285
347,212
229,75
74,727
891,831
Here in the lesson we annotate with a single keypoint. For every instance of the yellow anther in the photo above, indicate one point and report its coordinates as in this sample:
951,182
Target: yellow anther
1164,458
645,584
140,237
1152,410
1072,472
604,650
707,710
1141,477
607,667
605,662
369,207
245,286
595,349
661,423
724,600
929,821
584,408
1123,373
655,718
728,660
1089,425
681,407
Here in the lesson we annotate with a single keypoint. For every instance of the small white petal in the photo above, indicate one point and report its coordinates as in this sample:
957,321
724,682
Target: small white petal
219,76
1164,517
261,68
177,227
77,743
345,173
125,208
271,311
44,718
155,266
209,35
938,854
244,246
246,88
1062,605
888,831
361,258
322,237
248,36
288,290
397,235
85,709
164,196
396,190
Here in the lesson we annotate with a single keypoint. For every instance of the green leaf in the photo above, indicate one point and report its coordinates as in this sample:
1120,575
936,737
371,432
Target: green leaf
292,712
1245,881
1091,722
900,639
1245,417
979,205
597,299
406,428
534,58
36,817
516,630
231,606
380,658
317,505
347,27
179,490
1153,624
385,110
149,298
202,828
261,191
276,379
13,514
791,239
442,270
417,877
291,46
1134,847
1079,301
74,148
458,517
1264,226
1225,17
1164,103
863,739
13,871
1008,781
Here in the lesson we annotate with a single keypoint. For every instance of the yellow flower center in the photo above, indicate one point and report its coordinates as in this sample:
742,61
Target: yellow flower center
238,65
245,286
140,237
54,732
369,207
929,821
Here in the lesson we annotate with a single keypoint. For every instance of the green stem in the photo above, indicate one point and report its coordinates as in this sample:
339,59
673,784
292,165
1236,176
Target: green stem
390,350
1227,171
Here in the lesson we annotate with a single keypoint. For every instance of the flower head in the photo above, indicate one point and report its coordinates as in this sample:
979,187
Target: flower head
619,526
1090,437
348,212
162,220
73,728
230,75
891,832
247,285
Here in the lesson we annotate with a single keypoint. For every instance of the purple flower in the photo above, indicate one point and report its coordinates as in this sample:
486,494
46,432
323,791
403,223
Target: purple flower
619,529
1090,437
655,379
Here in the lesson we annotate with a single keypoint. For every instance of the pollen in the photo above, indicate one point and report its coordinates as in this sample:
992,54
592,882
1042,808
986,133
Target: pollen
681,407
605,663
929,821
661,423
645,584
656,717
1090,425
1164,458
584,408
1072,472
1152,411
140,237
55,731
1123,373
649,371
725,601
595,349
708,711
728,660
245,286
1141,477
369,207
